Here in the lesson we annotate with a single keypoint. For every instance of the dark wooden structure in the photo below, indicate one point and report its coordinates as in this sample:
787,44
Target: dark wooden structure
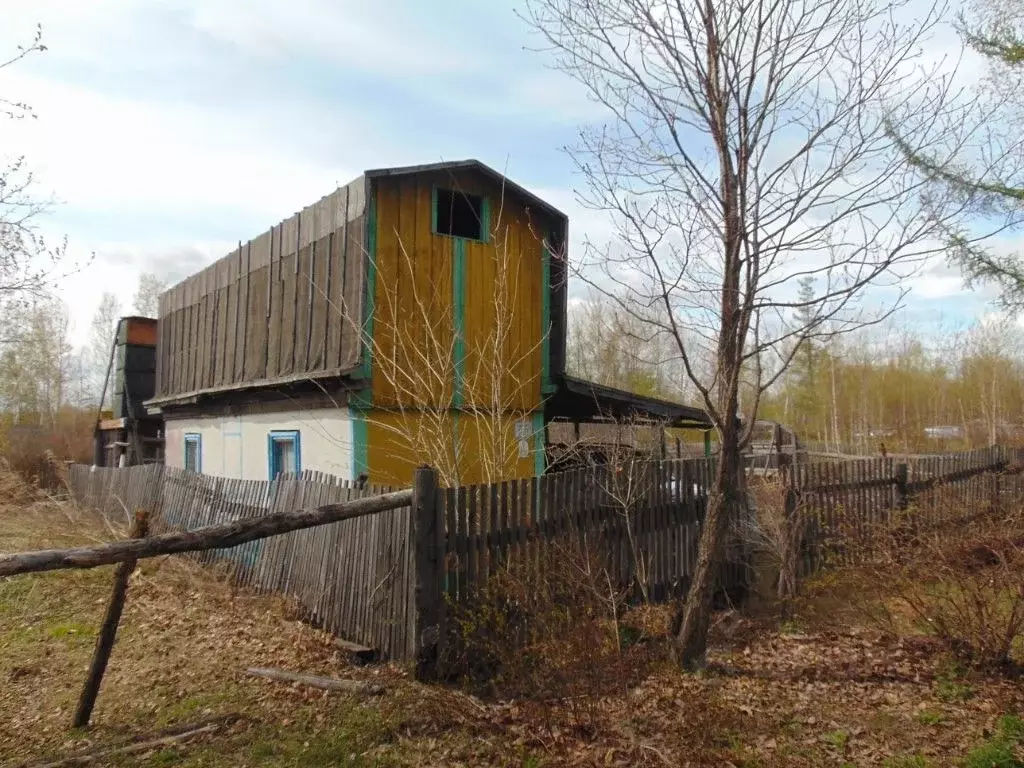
131,435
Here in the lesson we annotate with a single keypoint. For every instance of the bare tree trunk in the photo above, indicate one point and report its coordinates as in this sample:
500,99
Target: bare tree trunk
725,504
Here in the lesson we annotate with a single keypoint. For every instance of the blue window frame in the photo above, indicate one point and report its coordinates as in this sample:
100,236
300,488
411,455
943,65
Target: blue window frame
284,452
193,452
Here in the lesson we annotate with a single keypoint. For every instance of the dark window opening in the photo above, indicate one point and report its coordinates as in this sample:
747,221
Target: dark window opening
459,214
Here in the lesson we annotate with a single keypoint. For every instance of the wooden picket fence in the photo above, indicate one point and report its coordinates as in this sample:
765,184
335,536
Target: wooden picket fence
381,580
642,523
354,578
847,503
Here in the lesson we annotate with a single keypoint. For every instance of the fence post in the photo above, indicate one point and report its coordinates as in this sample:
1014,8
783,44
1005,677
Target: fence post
108,631
995,502
902,488
428,536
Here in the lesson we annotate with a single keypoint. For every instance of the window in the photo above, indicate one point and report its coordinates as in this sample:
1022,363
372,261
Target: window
284,453
459,214
193,452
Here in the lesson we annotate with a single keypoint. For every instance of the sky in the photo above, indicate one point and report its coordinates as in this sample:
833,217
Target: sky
167,130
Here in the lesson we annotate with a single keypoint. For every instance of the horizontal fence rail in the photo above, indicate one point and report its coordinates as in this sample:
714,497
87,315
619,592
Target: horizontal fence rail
353,577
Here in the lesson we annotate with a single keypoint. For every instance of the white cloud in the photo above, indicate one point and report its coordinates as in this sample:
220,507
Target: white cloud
375,36
99,152
936,286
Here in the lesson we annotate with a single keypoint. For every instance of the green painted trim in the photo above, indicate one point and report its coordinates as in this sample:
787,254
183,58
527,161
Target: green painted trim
459,318
485,220
370,309
707,443
361,398
360,442
538,443
276,436
546,385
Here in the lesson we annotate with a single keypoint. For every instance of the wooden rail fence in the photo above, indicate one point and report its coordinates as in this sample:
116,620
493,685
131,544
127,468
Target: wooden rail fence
643,523
845,503
385,579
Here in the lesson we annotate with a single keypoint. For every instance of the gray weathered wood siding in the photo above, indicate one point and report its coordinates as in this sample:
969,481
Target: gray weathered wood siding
286,305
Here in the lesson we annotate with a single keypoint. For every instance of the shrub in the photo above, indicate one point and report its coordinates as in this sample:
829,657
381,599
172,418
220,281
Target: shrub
38,452
960,583
547,627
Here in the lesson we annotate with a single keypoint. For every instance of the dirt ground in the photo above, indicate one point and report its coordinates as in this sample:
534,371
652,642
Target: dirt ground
824,693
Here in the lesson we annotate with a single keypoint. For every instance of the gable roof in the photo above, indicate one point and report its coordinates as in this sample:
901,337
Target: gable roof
470,165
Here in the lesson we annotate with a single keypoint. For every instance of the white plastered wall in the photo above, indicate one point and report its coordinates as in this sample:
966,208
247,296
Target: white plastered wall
236,446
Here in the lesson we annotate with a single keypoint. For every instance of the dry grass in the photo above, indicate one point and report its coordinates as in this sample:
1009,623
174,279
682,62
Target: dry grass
962,585
799,697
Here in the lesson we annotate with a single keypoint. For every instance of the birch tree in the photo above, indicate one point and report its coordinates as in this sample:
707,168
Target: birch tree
745,149
101,340
147,294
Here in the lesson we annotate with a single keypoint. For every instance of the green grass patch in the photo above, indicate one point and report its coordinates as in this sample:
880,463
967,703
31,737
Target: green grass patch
930,717
70,630
907,761
1000,750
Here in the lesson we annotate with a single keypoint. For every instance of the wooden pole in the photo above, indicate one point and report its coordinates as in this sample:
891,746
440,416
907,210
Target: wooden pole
108,631
902,487
219,536
428,542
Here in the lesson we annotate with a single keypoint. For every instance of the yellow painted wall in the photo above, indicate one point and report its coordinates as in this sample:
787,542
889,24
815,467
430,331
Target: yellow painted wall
465,448
414,316
415,417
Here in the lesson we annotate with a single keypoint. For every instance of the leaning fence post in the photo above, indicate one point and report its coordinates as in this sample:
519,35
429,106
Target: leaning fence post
108,631
429,542
995,502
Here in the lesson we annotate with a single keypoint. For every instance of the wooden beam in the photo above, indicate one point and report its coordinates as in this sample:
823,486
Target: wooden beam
211,537
169,737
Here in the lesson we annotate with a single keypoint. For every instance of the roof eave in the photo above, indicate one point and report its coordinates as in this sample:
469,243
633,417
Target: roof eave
476,165
622,401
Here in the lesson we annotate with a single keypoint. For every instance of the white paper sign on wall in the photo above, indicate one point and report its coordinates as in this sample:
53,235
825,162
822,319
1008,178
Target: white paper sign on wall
523,429
524,449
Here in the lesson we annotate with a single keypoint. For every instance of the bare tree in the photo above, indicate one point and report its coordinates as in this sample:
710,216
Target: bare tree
147,294
611,347
36,366
621,454
747,150
101,339
29,265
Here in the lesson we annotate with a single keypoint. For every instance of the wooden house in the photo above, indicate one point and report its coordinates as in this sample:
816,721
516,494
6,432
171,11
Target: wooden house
415,315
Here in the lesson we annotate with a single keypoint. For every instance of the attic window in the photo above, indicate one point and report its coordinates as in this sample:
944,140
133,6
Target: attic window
459,214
